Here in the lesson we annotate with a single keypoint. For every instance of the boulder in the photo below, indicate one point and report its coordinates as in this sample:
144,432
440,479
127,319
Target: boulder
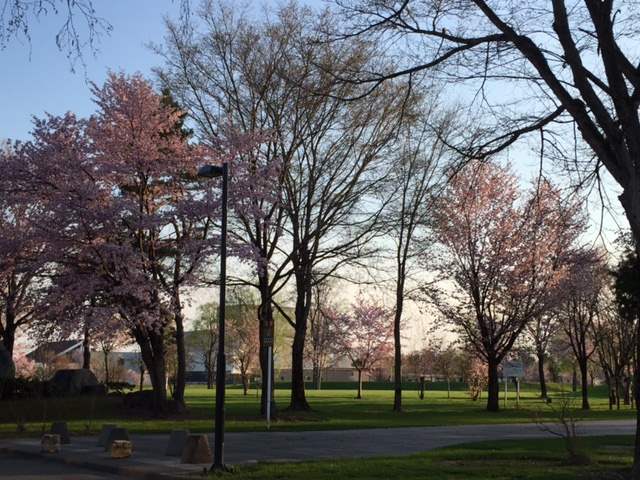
121,449
177,441
196,450
7,367
72,382
104,433
50,443
116,434
60,428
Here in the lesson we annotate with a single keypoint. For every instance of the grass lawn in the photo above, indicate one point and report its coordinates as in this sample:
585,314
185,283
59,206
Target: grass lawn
332,409
611,458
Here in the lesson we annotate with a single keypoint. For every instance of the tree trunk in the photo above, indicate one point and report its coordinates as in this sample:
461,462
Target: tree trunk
359,394
317,377
245,383
181,370
267,330
493,389
635,472
106,366
151,342
543,382
141,378
584,384
86,349
574,380
9,335
298,396
397,357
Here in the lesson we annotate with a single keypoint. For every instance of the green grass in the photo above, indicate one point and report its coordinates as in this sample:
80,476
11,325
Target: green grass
611,458
332,409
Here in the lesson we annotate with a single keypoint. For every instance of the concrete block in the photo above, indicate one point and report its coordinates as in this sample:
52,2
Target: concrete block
60,428
196,450
50,443
116,434
104,433
177,441
121,449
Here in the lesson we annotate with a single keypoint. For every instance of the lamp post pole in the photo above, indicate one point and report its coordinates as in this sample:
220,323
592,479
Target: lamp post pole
212,171
221,371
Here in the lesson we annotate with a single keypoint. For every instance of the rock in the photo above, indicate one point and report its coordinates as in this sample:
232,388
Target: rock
116,434
121,449
7,367
196,450
177,440
50,443
72,382
60,428
104,433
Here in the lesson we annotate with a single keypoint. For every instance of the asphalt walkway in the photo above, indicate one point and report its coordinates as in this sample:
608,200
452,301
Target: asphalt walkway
251,447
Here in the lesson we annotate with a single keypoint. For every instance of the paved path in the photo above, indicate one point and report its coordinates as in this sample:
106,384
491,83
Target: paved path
19,468
253,447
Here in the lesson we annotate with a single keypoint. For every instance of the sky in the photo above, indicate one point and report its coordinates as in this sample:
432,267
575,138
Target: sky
37,78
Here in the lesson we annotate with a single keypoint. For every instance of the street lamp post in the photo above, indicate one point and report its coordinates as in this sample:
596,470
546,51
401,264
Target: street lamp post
214,171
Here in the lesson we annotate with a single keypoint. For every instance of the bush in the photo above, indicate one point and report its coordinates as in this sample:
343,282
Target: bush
16,388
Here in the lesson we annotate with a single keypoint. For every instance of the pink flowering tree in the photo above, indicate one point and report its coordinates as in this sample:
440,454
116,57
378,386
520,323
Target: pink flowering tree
366,336
22,254
130,227
502,255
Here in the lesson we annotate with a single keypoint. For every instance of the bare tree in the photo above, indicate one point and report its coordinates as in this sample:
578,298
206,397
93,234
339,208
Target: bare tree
416,177
323,331
583,289
541,330
243,332
205,338
81,25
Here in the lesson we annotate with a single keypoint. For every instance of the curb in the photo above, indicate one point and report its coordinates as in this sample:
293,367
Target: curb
124,471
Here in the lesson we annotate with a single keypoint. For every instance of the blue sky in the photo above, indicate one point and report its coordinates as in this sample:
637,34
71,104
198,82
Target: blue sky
37,78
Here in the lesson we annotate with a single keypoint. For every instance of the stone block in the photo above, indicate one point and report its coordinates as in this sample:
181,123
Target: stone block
121,449
60,428
104,434
116,434
177,441
196,450
50,443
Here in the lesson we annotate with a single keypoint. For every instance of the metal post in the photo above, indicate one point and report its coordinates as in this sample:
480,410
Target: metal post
218,439
269,360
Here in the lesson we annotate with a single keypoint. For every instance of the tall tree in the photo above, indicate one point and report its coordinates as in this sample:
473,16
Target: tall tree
285,82
416,177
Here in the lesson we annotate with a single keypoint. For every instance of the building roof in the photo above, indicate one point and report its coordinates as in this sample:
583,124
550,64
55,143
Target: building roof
55,349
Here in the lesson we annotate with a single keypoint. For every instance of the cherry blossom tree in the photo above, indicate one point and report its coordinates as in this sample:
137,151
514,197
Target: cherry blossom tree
503,255
366,336
22,269
130,229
